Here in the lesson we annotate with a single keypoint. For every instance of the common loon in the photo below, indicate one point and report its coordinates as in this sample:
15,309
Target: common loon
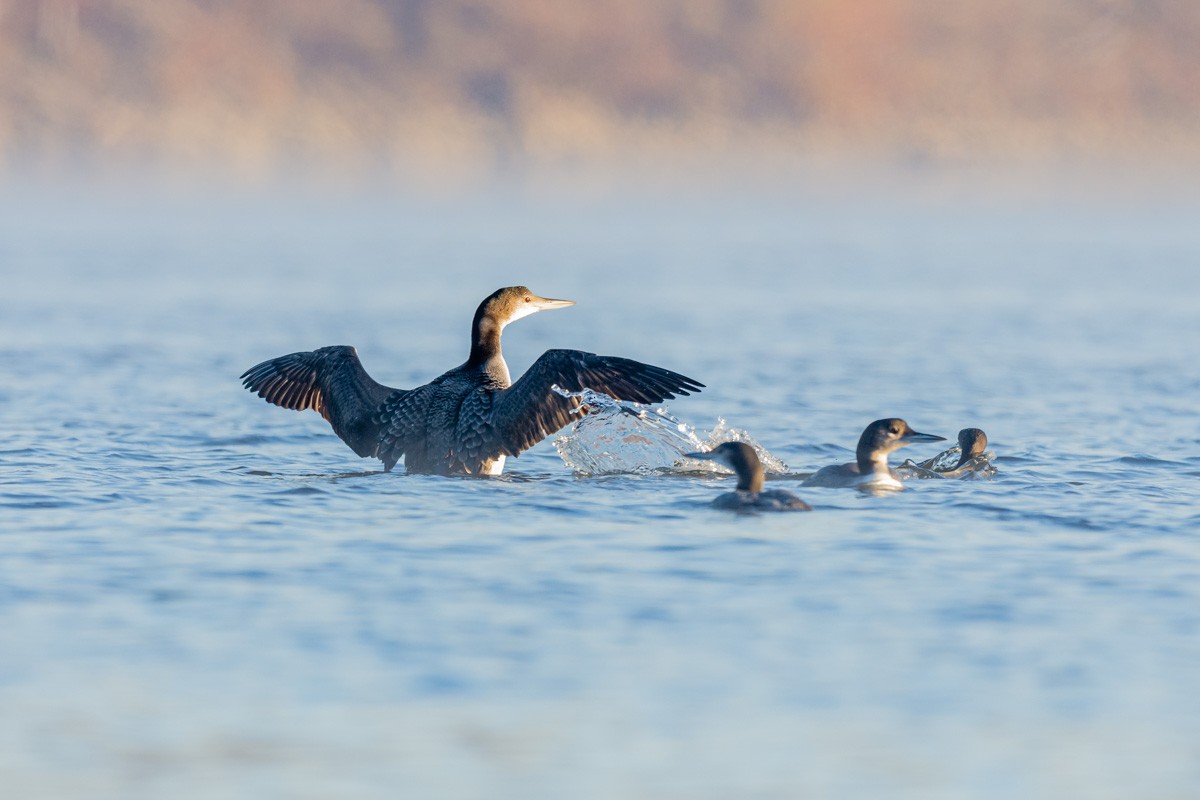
972,442
871,468
467,420
749,496
972,461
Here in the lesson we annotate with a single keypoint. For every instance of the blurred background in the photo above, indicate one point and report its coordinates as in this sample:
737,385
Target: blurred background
457,94
960,212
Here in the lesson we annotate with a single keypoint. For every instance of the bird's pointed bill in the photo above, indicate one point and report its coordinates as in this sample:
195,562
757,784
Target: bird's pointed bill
912,437
547,303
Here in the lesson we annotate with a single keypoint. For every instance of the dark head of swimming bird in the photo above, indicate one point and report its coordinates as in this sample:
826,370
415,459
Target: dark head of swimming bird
467,420
741,458
880,438
972,442
965,459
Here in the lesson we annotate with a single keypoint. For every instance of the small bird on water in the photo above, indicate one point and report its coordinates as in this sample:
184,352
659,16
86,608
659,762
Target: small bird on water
972,462
749,495
870,468
972,442
466,421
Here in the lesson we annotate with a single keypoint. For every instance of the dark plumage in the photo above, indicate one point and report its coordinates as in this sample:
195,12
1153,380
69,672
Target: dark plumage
749,496
972,442
468,419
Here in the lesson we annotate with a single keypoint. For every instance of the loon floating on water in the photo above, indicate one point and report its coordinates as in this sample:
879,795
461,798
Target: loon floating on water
972,442
749,496
871,468
467,420
972,459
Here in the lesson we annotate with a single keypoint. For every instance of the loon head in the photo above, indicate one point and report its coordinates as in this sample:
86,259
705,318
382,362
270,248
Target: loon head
497,310
739,457
972,442
513,302
882,437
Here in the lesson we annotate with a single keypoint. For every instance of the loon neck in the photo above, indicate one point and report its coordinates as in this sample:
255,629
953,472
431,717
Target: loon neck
873,463
485,339
486,357
750,480
742,459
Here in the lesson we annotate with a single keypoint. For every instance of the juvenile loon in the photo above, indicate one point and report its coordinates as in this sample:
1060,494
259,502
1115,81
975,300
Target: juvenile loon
749,496
871,468
972,442
468,419
972,460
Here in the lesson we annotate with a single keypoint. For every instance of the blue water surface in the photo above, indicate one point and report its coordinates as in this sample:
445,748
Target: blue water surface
202,595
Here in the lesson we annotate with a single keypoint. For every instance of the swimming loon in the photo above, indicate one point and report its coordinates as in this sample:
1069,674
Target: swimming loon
468,419
749,496
972,442
871,468
972,460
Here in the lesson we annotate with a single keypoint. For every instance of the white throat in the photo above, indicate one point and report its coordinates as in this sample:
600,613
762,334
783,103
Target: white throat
880,474
523,310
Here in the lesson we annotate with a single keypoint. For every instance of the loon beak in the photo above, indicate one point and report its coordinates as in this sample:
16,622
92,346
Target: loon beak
702,456
913,437
532,304
547,304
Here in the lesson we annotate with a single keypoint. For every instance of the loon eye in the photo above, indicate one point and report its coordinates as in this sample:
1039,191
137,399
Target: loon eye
528,299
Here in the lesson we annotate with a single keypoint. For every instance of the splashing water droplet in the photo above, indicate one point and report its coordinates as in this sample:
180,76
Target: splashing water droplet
943,466
615,436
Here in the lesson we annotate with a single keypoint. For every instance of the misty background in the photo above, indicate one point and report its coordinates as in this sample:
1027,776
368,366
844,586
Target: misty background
456,95
959,212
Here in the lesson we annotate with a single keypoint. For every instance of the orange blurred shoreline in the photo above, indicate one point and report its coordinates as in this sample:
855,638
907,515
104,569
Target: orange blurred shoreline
458,94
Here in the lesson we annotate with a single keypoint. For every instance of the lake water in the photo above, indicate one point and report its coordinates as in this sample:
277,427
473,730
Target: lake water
202,595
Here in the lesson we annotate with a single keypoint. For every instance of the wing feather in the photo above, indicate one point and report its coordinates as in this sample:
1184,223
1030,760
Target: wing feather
401,421
330,381
530,410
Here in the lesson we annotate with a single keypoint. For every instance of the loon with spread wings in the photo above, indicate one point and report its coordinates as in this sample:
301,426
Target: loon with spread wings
469,419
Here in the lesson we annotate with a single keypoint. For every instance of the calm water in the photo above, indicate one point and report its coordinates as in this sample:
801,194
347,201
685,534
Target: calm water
202,595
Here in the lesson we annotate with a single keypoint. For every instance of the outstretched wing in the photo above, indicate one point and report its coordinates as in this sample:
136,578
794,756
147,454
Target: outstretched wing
330,381
529,410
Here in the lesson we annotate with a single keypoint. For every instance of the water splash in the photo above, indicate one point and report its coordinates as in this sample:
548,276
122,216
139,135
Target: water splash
616,436
942,466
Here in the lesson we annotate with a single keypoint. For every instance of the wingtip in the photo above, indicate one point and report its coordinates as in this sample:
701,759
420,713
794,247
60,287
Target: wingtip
257,372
